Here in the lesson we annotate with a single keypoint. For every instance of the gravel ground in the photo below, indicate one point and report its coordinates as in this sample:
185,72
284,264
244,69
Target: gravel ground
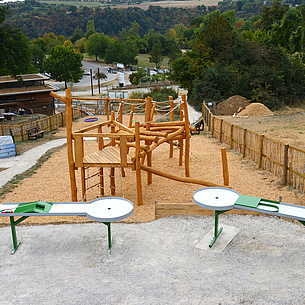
155,263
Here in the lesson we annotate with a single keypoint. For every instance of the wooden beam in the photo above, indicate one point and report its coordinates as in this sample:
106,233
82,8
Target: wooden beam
179,178
70,145
138,165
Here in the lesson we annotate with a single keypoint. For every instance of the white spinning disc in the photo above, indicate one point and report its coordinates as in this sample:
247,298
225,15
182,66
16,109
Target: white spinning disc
216,198
109,209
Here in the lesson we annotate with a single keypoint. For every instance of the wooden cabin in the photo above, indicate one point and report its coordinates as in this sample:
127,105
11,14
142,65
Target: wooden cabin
28,92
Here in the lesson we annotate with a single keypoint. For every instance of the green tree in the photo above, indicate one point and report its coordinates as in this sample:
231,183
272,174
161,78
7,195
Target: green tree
78,34
90,29
156,54
97,44
64,64
124,53
15,53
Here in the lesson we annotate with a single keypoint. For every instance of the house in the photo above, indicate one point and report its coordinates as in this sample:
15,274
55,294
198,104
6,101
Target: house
27,93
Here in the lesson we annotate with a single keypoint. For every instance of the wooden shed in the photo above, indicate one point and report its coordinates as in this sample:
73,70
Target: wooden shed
27,92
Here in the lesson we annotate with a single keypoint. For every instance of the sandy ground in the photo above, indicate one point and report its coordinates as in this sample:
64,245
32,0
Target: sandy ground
51,181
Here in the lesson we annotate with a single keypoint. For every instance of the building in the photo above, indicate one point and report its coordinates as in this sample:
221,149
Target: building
27,93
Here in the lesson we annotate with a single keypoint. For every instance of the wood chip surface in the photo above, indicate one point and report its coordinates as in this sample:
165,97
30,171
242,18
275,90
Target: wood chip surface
51,182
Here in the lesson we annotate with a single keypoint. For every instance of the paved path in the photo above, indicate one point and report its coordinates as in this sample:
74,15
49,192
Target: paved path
19,164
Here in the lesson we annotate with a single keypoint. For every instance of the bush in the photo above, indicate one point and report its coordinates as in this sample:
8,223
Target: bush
161,94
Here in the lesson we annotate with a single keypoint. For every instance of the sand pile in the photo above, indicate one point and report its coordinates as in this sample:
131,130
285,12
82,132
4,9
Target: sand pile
232,105
255,110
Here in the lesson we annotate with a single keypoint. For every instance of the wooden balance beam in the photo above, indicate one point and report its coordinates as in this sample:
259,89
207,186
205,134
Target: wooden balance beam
105,210
222,200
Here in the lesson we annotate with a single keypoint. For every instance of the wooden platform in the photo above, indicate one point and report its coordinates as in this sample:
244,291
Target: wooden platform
109,156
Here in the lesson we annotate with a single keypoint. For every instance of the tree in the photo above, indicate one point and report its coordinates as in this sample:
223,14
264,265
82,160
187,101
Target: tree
15,54
64,64
156,54
90,29
78,34
124,53
97,44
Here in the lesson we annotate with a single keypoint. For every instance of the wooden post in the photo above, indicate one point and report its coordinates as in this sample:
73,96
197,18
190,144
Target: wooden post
212,126
231,136
244,142
225,170
112,128
220,131
149,158
22,131
148,109
69,120
107,107
260,151
83,181
131,116
112,180
181,142
285,165
50,122
187,138
91,81
102,186
2,130
121,111
171,118
98,80
138,168
100,139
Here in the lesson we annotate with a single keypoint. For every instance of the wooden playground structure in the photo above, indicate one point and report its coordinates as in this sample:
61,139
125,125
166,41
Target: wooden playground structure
129,146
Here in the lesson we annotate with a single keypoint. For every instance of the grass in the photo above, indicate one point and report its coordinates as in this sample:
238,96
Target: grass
75,3
144,61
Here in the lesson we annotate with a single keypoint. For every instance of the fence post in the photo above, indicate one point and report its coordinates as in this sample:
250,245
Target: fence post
50,122
285,165
22,136
220,131
231,136
2,130
244,142
212,126
260,156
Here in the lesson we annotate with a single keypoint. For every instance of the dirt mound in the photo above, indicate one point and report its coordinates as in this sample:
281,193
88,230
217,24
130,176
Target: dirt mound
255,110
232,105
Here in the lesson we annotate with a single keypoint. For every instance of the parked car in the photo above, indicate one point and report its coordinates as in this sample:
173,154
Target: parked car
86,72
132,68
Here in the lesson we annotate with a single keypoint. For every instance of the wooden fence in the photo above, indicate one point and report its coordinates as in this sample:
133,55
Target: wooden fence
89,106
281,159
48,124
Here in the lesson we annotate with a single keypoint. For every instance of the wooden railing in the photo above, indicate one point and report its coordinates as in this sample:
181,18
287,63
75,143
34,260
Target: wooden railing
281,159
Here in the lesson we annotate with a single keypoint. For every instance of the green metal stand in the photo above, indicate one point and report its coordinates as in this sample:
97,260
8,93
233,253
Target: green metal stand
216,230
108,224
13,229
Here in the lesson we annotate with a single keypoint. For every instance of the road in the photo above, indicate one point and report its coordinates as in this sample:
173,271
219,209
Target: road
84,84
